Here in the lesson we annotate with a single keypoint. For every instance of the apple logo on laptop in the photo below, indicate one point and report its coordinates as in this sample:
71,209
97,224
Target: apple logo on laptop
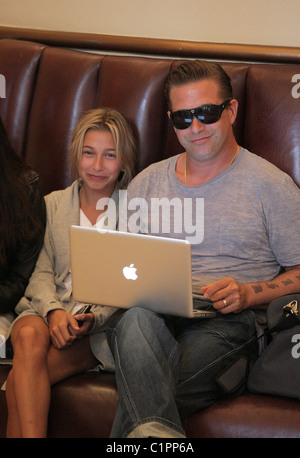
129,272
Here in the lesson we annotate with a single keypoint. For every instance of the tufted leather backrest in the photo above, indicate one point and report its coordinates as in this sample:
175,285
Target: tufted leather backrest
19,63
48,88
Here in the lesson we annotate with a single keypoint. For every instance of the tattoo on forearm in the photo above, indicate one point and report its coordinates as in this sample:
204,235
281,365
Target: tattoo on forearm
287,282
272,285
257,288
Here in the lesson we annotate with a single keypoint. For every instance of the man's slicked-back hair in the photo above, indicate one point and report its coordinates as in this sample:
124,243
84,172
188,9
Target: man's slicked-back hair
196,70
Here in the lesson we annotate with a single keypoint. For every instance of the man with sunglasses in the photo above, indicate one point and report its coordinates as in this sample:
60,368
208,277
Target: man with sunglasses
169,367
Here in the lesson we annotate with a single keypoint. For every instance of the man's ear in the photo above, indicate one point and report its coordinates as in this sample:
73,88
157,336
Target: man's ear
233,110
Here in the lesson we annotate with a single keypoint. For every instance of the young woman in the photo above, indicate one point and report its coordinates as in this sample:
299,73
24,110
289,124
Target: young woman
22,226
48,343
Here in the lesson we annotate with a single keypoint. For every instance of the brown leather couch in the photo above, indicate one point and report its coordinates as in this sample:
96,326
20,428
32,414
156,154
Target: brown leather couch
47,88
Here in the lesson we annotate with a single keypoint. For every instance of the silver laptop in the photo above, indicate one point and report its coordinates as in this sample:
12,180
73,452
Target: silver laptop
125,270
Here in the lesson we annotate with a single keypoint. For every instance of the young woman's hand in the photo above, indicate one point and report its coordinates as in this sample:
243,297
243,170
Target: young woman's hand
63,328
85,322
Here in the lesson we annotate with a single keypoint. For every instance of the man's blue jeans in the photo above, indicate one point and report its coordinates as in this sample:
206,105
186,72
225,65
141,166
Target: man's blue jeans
168,367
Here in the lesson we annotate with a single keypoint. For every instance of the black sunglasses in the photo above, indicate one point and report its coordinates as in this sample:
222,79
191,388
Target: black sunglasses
207,114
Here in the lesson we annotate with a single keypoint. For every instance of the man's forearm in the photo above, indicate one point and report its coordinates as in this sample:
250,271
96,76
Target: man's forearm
264,292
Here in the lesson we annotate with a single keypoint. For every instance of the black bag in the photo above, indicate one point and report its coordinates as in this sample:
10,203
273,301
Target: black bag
277,370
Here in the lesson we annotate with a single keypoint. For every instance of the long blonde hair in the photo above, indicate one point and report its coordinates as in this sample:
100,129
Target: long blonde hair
113,121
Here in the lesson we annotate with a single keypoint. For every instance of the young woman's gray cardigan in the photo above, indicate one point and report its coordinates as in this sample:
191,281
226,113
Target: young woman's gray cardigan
46,290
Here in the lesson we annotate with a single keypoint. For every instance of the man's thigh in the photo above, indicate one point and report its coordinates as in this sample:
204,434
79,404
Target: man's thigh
209,348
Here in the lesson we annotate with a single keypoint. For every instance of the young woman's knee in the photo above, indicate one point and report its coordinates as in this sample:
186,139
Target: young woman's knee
31,338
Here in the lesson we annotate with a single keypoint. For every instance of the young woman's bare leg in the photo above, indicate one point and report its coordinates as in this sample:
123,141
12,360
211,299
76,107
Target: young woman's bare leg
73,360
28,385
13,421
28,402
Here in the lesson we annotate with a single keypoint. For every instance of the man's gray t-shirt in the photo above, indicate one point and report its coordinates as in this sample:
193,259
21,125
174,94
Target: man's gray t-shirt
245,223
